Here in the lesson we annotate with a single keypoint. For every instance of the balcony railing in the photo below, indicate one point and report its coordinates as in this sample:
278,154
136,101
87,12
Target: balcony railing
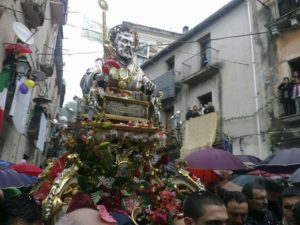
286,6
34,12
199,63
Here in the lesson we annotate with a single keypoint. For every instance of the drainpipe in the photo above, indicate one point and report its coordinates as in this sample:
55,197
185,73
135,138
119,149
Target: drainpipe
254,79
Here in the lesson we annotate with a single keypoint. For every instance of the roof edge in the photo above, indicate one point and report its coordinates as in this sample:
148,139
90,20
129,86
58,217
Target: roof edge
202,25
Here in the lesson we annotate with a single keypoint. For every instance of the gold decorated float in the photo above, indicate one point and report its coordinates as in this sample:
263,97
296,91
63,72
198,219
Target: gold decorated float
111,149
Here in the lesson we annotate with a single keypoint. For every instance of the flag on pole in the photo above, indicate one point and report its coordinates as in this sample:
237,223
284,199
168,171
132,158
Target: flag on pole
4,76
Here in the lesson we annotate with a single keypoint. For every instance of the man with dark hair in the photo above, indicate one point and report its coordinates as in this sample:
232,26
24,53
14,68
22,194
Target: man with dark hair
204,208
296,213
20,210
289,197
258,214
237,207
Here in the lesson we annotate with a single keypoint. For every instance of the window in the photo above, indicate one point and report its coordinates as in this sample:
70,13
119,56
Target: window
205,50
295,65
286,6
170,63
204,99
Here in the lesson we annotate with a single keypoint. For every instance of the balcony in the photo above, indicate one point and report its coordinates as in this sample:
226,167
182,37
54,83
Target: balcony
292,120
288,16
199,67
58,11
34,12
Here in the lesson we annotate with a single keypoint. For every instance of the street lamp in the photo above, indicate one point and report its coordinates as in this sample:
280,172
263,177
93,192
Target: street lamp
22,66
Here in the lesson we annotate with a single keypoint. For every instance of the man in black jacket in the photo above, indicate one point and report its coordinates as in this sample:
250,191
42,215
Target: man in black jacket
258,205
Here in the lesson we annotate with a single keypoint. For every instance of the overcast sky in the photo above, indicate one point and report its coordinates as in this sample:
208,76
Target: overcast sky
165,14
169,15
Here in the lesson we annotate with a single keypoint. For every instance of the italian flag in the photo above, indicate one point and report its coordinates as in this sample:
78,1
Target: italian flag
4,75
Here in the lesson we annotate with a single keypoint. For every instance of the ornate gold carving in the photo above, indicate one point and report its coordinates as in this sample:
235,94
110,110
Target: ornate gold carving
64,186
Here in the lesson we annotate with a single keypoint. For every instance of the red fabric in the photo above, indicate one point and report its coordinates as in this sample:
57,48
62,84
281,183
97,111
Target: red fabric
29,169
58,167
17,48
267,174
206,176
110,63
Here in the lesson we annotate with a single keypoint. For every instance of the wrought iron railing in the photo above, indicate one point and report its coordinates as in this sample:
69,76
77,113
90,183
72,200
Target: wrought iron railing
286,6
198,62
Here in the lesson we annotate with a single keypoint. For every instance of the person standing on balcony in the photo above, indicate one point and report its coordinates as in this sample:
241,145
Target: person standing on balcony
286,90
195,111
296,94
209,109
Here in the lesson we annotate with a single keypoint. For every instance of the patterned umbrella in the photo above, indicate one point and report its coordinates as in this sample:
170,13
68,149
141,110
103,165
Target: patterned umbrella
10,178
215,159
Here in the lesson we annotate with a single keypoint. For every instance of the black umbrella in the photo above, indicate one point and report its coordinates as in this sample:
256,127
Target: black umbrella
295,177
283,161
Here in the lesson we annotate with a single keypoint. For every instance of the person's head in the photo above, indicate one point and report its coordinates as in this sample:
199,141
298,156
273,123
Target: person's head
124,41
289,197
82,216
20,210
204,208
286,80
296,213
256,195
237,207
195,108
209,104
295,73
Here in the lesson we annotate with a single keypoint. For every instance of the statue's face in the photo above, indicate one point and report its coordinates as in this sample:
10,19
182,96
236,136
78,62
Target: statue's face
125,45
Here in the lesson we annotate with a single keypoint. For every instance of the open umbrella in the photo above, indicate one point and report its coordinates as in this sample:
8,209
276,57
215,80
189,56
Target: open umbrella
29,169
249,159
10,178
295,177
206,176
237,182
283,161
215,159
4,164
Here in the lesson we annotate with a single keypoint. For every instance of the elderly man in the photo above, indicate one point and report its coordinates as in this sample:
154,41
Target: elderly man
237,207
289,197
258,205
204,208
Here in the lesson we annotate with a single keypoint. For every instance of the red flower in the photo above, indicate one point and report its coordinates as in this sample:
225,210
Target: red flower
137,173
146,168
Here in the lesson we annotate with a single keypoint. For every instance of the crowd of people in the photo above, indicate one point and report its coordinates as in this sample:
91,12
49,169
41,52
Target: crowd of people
289,92
248,207
199,111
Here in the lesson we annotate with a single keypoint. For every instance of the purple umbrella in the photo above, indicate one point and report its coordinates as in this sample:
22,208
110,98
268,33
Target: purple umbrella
215,159
249,159
10,178
283,161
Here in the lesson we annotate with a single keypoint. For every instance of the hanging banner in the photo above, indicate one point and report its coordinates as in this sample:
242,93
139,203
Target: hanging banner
199,132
